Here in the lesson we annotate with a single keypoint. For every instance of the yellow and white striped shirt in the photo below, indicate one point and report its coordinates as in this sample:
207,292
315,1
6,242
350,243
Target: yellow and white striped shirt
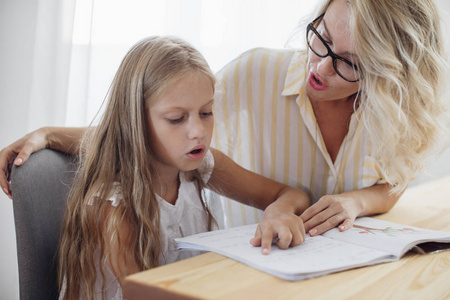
265,122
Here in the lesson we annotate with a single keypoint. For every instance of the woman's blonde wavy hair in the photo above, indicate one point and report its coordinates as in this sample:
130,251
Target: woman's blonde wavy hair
401,54
119,150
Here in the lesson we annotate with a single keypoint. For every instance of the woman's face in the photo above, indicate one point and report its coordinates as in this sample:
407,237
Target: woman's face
323,83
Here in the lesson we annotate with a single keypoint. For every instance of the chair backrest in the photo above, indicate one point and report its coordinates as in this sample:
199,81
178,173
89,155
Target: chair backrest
39,189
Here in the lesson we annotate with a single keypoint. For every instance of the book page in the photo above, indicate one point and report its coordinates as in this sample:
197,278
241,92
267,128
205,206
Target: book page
316,256
392,238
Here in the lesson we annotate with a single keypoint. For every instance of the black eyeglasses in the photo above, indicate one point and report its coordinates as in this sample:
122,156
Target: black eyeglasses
344,68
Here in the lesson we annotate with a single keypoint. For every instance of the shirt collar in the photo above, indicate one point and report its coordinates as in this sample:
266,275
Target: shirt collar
296,74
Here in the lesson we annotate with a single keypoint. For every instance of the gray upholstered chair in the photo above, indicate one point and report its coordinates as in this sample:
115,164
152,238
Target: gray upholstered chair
39,189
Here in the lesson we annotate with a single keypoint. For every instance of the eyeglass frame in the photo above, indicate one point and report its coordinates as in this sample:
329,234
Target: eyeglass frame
333,55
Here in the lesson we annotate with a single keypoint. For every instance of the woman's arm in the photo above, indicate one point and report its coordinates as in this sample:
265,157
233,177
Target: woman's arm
63,139
342,209
282,204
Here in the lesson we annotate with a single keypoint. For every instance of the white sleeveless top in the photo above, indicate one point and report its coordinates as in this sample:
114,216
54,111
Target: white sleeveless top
185,217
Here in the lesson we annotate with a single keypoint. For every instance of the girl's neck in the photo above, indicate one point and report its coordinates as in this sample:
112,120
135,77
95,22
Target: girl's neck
168,188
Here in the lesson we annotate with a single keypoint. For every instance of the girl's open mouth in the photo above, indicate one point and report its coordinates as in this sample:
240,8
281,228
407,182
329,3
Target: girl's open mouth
196,151
196,154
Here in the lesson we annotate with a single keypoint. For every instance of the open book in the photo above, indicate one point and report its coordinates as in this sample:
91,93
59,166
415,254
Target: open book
369,242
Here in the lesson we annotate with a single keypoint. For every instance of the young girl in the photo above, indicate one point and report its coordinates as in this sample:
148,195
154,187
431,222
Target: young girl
143,170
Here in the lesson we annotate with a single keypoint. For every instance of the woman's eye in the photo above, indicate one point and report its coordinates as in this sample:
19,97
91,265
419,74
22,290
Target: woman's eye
176,121
206,114
327,40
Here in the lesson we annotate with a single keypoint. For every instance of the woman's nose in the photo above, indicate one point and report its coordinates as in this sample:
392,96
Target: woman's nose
325,66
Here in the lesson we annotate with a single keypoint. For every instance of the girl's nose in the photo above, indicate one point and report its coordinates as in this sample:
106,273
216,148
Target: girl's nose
325,66
196,129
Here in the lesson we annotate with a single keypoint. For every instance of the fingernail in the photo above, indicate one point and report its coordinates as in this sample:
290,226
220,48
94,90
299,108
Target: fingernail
265,251
342,227
18,161
313,231
7,192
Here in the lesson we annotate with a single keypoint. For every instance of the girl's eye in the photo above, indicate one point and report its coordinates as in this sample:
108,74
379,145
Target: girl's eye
206,114
176,121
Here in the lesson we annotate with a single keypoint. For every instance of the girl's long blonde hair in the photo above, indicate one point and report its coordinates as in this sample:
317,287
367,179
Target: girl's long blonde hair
119,150
401,54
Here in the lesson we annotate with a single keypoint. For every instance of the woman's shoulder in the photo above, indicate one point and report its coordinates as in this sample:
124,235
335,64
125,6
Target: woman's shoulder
260,57
267,51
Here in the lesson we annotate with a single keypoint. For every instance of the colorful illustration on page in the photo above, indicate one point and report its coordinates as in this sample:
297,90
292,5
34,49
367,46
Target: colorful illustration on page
388,230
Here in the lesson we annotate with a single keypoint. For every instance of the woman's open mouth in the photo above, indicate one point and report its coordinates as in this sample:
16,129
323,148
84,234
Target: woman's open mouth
316,83
317,80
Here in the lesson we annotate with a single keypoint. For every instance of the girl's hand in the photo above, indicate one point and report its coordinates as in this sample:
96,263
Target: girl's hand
331,211
18,153
286,232
281,223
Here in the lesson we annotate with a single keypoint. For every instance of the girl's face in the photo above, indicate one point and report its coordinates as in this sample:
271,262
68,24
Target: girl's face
181,123
323,83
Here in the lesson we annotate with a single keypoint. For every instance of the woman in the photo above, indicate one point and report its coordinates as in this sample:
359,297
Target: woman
362,102
351,120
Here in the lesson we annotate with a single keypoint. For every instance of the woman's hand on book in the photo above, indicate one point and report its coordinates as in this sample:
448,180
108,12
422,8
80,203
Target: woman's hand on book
331,211
341,210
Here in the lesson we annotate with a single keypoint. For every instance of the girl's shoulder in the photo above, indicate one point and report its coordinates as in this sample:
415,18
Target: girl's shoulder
114,195
207,166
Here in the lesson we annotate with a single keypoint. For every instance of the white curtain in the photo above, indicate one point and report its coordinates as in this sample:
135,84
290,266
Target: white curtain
35,50
51,61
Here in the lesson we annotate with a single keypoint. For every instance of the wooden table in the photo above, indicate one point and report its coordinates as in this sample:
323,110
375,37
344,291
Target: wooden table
415,276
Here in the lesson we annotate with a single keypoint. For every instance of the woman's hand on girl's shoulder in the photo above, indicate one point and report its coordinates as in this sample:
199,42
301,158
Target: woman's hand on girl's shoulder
18,153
